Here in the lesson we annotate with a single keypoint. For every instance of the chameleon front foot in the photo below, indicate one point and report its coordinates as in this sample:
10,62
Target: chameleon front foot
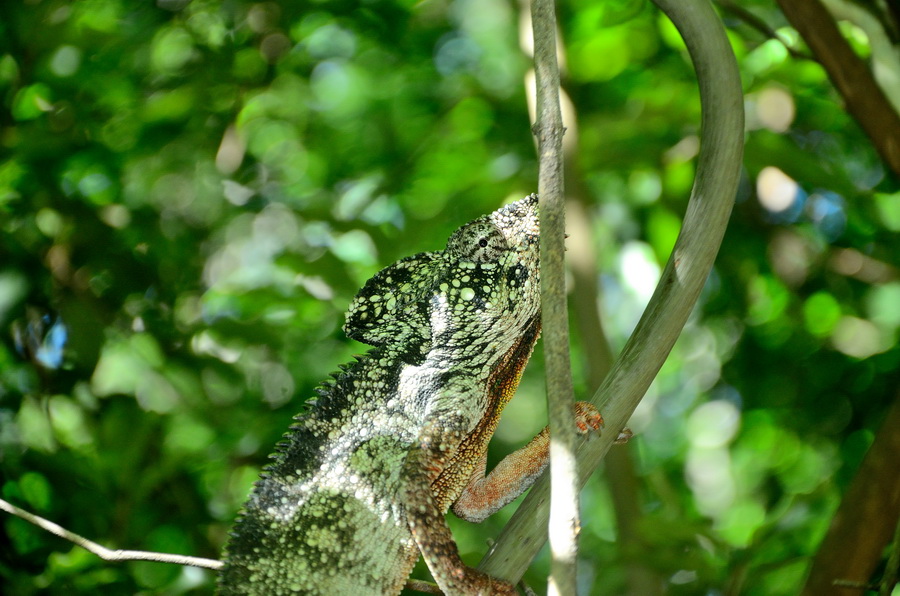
588,418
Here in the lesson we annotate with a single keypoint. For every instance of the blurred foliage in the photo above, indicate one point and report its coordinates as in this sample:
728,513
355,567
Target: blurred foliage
192,191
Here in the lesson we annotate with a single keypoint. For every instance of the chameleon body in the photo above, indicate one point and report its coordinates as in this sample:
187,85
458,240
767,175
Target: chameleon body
361,483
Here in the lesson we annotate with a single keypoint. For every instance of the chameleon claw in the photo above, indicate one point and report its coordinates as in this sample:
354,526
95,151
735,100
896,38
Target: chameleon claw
624,435
587,417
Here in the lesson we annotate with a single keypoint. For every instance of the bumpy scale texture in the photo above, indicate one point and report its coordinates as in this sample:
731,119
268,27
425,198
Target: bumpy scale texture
361,483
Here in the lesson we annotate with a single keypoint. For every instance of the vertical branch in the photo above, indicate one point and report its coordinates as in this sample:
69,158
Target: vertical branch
548,128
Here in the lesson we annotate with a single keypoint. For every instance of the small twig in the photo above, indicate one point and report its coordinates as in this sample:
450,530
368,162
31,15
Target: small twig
849,583
754,22
103,552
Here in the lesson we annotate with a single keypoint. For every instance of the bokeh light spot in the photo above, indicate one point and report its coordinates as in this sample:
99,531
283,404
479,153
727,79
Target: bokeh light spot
65,61
857,337
777,191
821,313
775,109
713,424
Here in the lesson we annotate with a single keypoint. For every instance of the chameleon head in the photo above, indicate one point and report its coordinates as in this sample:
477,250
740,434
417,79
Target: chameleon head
519,223
488,272
493,271
511,228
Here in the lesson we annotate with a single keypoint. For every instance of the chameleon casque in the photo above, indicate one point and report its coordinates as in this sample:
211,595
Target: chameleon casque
360,485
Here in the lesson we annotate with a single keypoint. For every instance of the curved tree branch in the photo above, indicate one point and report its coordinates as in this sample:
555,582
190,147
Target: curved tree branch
704,225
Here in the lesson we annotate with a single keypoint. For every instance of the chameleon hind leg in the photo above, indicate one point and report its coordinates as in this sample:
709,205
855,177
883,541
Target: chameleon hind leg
429,529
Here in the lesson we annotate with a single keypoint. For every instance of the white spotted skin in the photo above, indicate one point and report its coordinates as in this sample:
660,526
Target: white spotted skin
327,516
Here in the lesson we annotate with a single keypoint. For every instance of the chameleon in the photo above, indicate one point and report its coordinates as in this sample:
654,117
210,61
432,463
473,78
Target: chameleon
359,486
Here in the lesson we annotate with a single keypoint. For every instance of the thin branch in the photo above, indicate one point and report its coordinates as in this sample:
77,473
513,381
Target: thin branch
718,172
548,127
103,552
755,22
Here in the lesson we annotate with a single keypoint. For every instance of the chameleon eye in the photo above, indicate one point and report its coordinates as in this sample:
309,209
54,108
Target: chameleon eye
479,242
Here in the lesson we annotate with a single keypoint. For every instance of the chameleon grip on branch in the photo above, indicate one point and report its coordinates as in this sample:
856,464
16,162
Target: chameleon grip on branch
361,483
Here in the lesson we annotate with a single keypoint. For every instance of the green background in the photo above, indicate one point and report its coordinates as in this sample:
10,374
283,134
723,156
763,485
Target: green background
197,190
